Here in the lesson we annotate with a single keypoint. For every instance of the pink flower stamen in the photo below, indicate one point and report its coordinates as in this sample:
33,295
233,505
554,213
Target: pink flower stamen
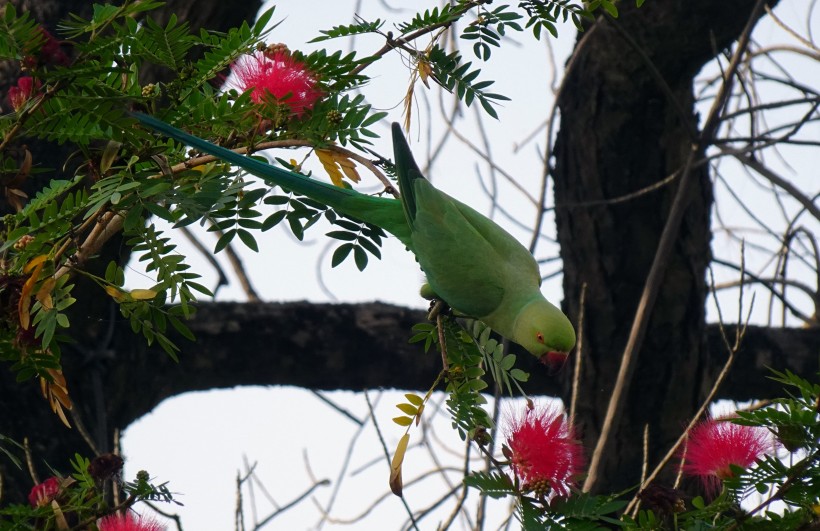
715,444
280,75
128,522
544,453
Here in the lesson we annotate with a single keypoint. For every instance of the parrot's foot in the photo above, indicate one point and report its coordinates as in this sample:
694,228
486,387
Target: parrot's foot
437,307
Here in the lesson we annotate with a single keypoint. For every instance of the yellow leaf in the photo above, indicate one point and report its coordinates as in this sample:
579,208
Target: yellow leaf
395,465
403,421
143,294
326,158
332,161
35,266
44,293
37,260
408,408
418,415
58,377
116,293
349,170
416,400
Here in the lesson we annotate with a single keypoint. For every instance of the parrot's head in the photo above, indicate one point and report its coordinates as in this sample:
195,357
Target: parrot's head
544,331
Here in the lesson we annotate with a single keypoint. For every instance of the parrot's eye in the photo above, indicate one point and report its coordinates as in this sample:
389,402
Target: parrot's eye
540,337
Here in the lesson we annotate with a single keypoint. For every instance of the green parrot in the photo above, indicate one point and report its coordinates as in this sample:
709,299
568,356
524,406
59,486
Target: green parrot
475,266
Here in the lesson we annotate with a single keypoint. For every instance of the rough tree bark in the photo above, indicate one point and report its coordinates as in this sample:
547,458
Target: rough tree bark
618,134
621,132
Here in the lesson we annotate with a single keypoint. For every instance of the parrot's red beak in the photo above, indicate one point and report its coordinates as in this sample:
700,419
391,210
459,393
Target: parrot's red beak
555,361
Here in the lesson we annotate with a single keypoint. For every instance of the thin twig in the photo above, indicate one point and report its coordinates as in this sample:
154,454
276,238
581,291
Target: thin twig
542,197
461,497
78,423
30,462
107,226
387,454
579,352
293,503
171,516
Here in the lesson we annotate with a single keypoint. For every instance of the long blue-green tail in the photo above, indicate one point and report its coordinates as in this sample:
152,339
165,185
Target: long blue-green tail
383,212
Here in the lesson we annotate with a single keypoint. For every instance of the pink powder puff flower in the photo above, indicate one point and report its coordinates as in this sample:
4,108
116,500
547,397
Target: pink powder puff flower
44,492
543,451
279,74
19,95
128,522
715,444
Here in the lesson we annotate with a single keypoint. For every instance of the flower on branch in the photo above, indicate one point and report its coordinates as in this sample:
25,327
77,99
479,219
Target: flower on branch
43,493
275,72
20,94
44,50
715,444
51,52
543,451
128,522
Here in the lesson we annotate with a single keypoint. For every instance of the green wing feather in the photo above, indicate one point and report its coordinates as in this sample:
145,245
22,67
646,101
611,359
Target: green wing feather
458,247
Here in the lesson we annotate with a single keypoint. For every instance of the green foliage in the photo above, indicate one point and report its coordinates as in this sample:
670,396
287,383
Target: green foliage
361,238
19,33
488,29
220,52
456,77
8,453
545,14
501,366
362,26
493,484
163,46
431,18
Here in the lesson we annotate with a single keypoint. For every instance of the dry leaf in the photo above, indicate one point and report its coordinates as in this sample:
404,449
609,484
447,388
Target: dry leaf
332,161
59,517
35,266
425,70
395,466
109,155
44,293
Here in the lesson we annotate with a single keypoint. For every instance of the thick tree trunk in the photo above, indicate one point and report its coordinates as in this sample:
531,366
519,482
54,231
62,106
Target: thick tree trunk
623,131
